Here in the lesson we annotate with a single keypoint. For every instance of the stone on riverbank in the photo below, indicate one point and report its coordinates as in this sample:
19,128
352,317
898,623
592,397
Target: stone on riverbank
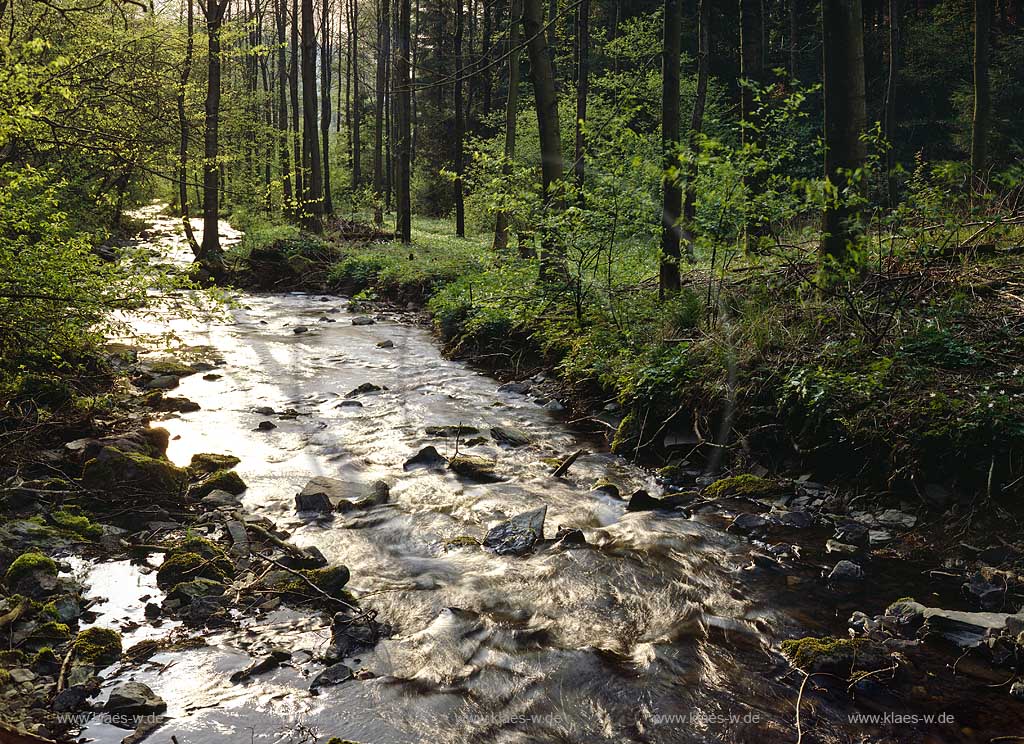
322,494
99,647
32,574
134,699
222,480
113,469
510,436
428,457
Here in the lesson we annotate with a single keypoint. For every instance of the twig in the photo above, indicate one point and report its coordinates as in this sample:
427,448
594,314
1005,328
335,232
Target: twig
566,464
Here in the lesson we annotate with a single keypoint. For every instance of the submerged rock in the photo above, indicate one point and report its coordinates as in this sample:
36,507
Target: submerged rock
428,457
323,494
389,344
569,537
366,387
510,436
363,320
475,468
518,535
643,501
450,431
332,675
273,660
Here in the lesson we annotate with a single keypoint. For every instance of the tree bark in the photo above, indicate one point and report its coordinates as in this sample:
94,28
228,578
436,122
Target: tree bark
845,120
325,101
357,173
672,196
542,76
186,73
582,86
889,123
752,70
282,106
696,127
210,254
511,115
293,85
383,50
982,105
460,123
313,207
403,87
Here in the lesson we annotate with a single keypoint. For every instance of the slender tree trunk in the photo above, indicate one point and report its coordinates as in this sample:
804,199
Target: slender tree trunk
210,253
794,29
889,124
490,13
696,127
672,195
314,207
545,97
282,106
582,85
342,50
186,73
460,124
293,85
845,120
553,37
383,50
414,73
403,86
357,114
752,70
325,101
980,119
511,115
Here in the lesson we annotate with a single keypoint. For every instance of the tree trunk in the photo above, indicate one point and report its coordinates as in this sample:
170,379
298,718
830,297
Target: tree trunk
403,86
845,120
293,84
511,115
325,101
186,73
357,173
460,124
552,35
696,127
672,195
752,70
794,29
889,124
542,75
383,50
313,208
979,121
282,106
210,253
582,84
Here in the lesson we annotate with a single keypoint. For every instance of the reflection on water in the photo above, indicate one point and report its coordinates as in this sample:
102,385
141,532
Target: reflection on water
647,634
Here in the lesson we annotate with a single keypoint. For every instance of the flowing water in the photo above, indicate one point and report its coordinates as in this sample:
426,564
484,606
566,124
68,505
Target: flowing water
656,631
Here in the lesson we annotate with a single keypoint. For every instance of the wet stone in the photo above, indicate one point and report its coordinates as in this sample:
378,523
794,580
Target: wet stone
428,457
643,501
332,675
510,436
136,699
363,320
747,524
846,571
518,535
266,425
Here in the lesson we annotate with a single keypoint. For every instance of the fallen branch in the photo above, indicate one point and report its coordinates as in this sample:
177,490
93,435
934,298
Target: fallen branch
305,580
563,468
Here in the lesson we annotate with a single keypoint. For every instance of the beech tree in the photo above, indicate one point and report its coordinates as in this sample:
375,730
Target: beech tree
672,194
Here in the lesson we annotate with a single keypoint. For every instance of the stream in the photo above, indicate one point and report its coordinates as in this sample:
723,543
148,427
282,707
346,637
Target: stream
658,630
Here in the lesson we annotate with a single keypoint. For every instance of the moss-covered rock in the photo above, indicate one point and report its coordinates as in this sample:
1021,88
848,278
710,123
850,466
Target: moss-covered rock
474,468
185,566
100,647
28,565
742,485
48,634
169,366
221,480
843,657
199,588
206,462
78,524
113,469
461,541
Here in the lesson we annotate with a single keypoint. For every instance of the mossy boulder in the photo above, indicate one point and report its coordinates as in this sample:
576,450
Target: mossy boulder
199,588
205,463
474,468
221,480
78,524
169,366
746,484
195,558
32,574
99,647
331,580
48,634
843,657
115,470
